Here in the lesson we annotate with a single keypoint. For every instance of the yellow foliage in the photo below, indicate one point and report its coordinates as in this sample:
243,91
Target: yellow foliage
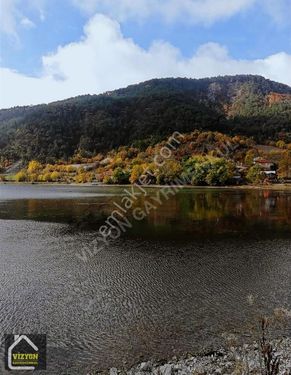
281,144
55,176
33,177
106,179
70,169
47,177
33,167
21,176
136,172
84,177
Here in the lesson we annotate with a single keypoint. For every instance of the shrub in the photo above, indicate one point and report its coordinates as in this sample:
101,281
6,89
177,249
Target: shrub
254,175
168,172
21,176
55,176
208,170
33,167
136,173
120,176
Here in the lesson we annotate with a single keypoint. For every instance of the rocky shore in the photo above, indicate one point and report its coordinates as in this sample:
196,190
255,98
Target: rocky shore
243,360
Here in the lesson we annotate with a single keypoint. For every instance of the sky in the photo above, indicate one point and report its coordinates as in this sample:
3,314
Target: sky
56,49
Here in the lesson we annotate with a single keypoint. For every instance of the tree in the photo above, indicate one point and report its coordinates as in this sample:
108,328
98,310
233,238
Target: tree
33,177
249,158
285,165
255,174
169,172
21,176
220,172
208,170
196,168
120,176
107,180
47,177
136,173
55,176
34,167
83,177
281,144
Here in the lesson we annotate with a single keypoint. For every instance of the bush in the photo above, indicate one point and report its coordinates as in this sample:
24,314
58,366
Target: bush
169,172
120,176
107,180
55,176
254,175
83,177
33,167
220,172
136,173
21,176
208,170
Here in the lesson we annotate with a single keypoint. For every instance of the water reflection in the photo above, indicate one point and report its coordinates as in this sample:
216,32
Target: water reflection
190,213
141,297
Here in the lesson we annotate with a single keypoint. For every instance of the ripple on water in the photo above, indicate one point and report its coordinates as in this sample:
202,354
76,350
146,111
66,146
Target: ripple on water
135,299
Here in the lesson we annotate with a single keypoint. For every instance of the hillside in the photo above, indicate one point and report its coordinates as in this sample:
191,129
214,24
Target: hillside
196,158
143,114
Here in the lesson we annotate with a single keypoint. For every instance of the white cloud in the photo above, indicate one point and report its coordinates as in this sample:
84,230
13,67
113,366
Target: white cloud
194,11
104,60
12,15
197,11
27,23
8,14
279,10
13,12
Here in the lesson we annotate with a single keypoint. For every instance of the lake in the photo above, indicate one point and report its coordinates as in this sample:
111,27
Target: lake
202,265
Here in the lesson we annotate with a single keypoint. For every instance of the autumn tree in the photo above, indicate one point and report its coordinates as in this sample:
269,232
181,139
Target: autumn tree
33,167
55,176
21,176
168,172
281,144
255,174
207,170
136,173
120,176
285,165
220,172
249,158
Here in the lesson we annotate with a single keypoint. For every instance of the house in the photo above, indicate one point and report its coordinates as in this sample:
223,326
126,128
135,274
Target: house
271,175
265,164
269,169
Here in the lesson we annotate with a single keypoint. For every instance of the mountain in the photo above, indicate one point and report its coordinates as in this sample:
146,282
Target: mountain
143,114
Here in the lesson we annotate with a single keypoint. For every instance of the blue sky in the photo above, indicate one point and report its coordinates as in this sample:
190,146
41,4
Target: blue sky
53,49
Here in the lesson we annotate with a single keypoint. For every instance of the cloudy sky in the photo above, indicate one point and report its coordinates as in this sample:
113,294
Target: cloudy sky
54,49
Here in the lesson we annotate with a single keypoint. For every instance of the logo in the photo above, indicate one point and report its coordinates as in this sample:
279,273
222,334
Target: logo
25,352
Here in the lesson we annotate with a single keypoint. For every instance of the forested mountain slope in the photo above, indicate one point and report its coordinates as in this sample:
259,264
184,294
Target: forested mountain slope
143,114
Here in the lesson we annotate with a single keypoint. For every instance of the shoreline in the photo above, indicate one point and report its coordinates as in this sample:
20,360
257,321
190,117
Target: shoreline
226,187
244,359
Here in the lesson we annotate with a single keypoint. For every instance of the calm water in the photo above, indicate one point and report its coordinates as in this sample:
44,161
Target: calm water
177,282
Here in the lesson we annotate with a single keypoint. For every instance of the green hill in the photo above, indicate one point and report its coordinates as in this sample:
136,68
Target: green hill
145,113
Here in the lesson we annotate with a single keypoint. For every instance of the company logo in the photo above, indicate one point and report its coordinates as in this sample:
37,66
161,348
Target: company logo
25,352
